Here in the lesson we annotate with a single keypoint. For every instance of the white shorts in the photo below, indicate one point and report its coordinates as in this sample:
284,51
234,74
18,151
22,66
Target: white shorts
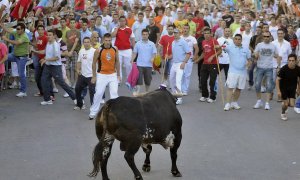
236,81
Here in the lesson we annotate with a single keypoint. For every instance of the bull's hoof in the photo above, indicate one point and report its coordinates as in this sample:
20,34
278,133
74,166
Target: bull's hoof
139,178
146,168
176,173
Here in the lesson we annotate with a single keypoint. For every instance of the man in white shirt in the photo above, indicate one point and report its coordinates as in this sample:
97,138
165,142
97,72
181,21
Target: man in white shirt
84,70
192,43
284,50
4,9
225,40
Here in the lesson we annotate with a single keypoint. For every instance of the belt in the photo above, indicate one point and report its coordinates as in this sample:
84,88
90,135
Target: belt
22,56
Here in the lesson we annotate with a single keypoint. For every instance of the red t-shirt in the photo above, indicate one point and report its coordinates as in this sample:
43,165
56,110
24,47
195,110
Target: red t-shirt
200,23
164,42
25,4
41,44
208,49
123,38
80,6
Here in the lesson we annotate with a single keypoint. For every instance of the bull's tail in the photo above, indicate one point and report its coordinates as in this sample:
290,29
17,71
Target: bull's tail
97,157
101,127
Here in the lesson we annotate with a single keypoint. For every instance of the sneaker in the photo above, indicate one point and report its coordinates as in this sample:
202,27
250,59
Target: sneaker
179,101
210,100
91,117
184,94
227,107
297,110
102,101
66,95
203,99
267,106
55,90
75,101
258,104
46,102
78,108
284,117
235,106
21,94
37,94
52,98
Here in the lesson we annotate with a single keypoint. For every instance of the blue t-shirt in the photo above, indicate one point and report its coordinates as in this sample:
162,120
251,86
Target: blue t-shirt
179,49
238,57
145,51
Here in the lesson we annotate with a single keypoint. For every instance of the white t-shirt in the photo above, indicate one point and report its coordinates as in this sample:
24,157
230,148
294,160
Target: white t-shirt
284,49
224,58
191,42
86,59
106,21
273,31
246,39
165,19
7,5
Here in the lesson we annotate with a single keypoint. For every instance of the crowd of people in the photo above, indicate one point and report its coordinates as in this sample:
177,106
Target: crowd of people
255,43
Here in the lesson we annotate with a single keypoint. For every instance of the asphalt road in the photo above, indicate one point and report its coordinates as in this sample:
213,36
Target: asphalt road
56,143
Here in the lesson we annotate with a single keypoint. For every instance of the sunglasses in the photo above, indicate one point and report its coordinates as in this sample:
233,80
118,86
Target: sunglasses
266,36
18,29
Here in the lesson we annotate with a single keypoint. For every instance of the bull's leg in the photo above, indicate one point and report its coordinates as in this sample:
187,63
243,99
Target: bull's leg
107,141
147,149
132,148
173,152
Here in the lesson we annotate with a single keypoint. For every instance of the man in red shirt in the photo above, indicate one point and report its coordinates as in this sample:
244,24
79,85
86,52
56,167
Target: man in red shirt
79,8
165,42
124,42
209,68
200,23
39,54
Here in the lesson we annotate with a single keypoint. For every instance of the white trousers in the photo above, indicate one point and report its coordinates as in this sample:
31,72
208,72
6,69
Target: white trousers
187,72
102,81
176,78
126,60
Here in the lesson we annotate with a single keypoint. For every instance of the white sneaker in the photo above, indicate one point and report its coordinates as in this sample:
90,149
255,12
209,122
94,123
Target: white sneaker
91,117
179,101
235,106
184,94
203,99
46,102
227,107
258,104
297,110
210,100
55,90
75,101
102,101
267,106
21,94
78,108
66,95
284,117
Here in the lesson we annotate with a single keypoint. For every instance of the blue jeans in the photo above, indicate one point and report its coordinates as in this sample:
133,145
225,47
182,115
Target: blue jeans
38,69
21,63
260,74
250,73
50,71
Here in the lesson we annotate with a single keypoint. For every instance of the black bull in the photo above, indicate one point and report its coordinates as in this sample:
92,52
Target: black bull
135,122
